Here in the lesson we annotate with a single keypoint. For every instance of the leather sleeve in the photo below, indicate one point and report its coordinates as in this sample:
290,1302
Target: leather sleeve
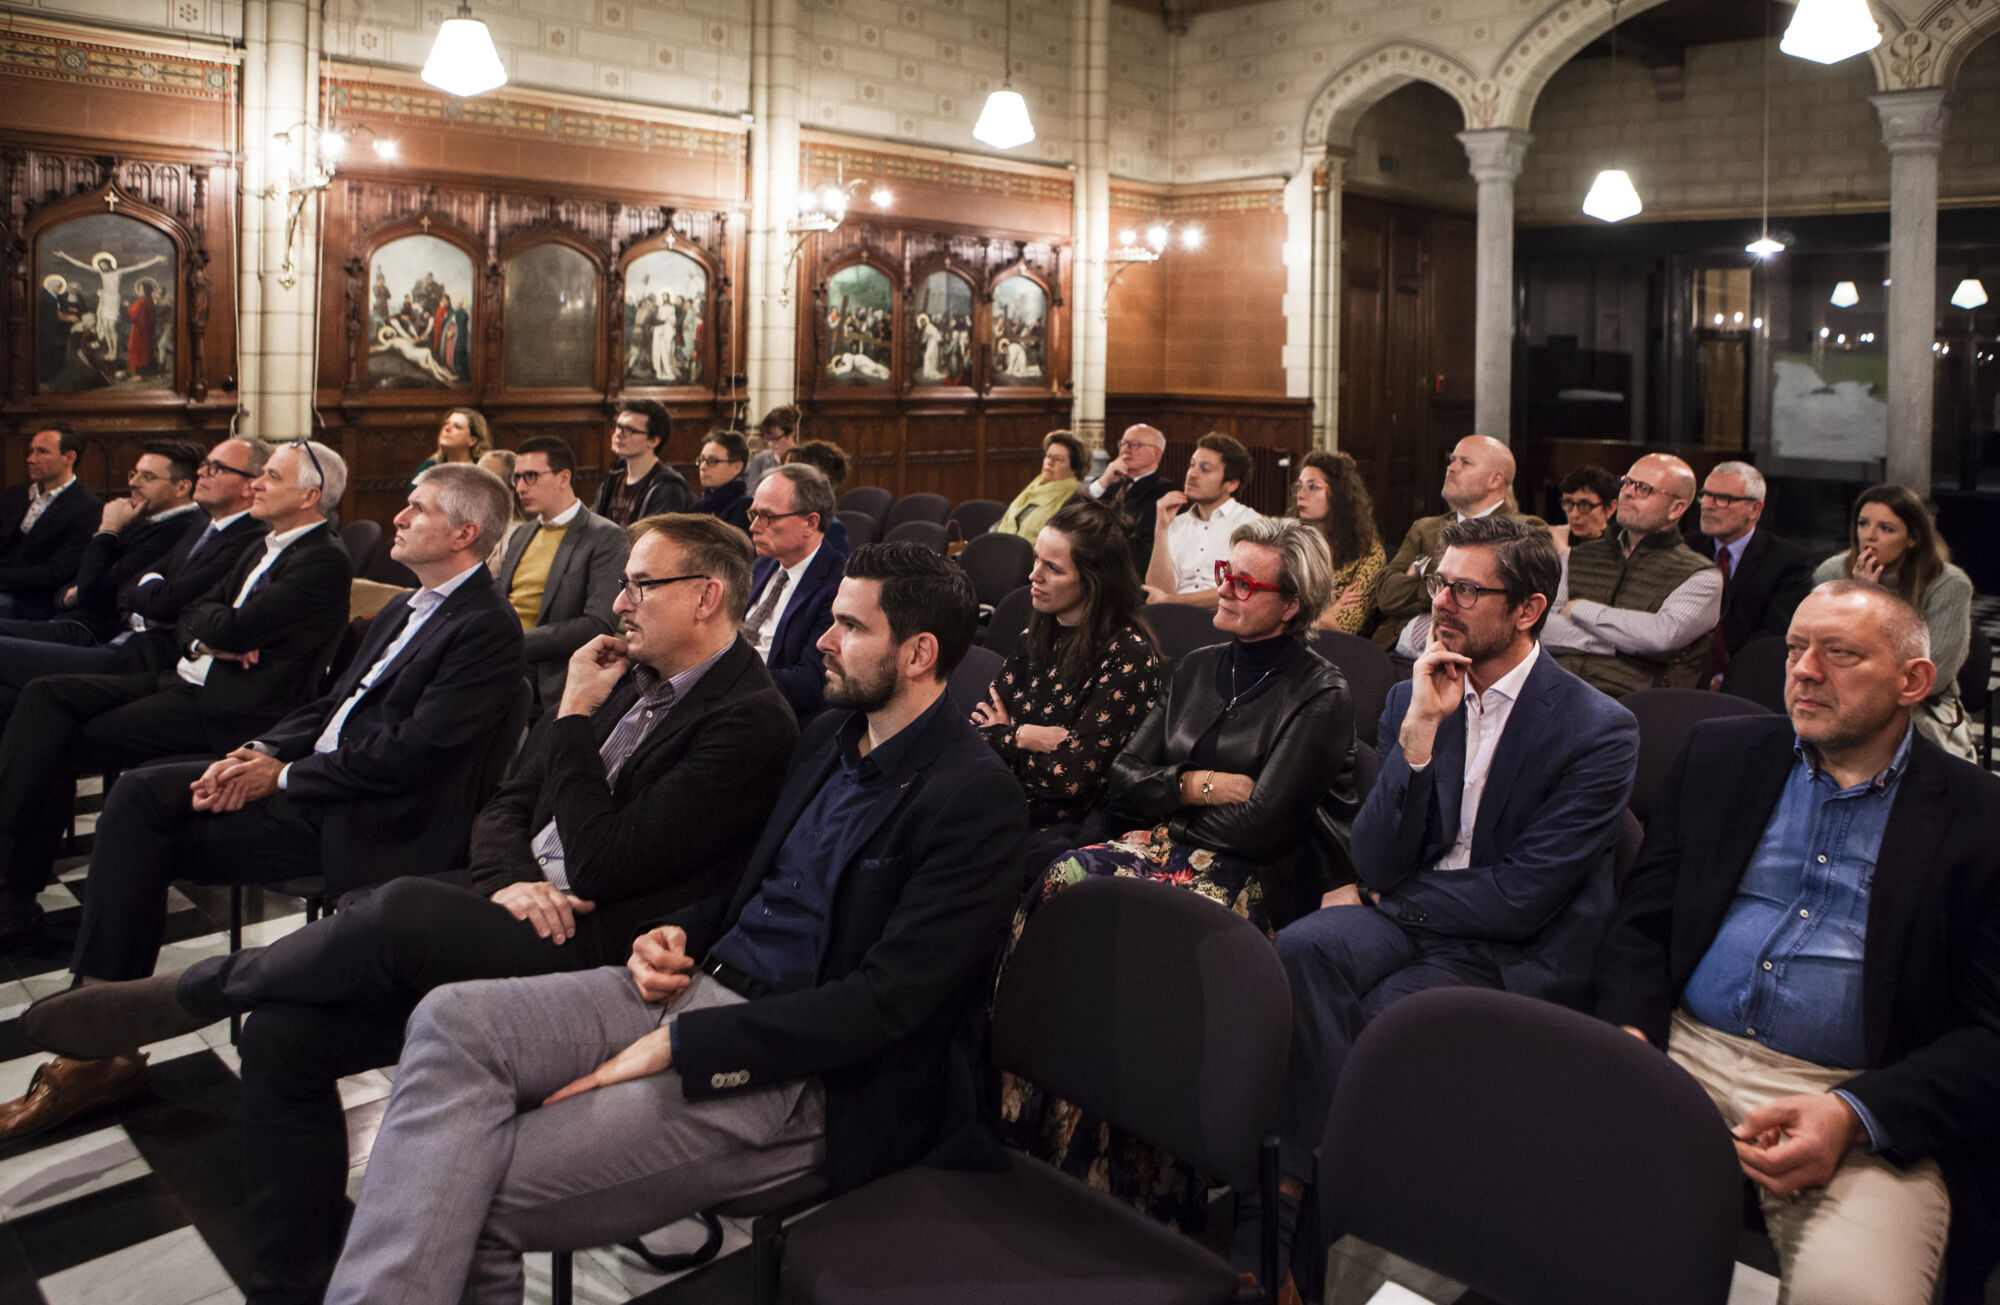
1301,767
1144,786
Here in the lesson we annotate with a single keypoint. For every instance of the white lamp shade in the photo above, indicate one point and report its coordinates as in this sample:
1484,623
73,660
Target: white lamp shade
1845,295
1611,197
1764,247
1003,123
1827,31
1970,294
463,62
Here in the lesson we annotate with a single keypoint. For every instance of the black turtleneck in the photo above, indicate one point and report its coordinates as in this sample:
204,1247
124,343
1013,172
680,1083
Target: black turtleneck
1244,673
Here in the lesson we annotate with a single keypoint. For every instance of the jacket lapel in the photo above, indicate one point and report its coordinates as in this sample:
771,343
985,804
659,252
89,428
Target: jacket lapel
517,544
1448,763
808,582
559,564
1531,718
1903,869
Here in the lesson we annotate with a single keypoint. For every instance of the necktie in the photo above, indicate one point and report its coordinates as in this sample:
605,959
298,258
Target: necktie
1718,650
202,543
753,628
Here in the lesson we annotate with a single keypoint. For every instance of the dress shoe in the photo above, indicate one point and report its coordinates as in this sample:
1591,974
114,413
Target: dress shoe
63,1089
20,918
97,1020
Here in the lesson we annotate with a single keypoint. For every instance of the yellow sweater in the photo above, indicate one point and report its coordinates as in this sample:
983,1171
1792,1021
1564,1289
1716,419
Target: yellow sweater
531,577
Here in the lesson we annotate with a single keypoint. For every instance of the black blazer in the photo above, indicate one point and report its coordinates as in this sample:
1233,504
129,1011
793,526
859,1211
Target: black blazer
398,795
35,566
1930,963
915,918
111,561
1138,502
1764,590
290,622
795,661
182,580
699,783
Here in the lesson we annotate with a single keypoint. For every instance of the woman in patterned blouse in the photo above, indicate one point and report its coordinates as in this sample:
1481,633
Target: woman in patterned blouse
1083,676
1330,495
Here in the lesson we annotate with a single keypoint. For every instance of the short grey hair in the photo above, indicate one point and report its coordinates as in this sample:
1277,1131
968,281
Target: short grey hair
1305,563
1753,479
260,452
811,491
1909,634
329,476
469,492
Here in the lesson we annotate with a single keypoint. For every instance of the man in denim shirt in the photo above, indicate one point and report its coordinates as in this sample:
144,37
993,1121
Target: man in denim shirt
1813,931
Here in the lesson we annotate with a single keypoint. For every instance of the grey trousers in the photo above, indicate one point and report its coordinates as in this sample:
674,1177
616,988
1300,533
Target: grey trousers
467,1172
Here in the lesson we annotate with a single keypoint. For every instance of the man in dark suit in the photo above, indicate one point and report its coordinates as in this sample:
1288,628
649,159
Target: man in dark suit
803,1025
1485,848
1131,483
666,736
252,649
1764,578
798,573
44,525
1812,930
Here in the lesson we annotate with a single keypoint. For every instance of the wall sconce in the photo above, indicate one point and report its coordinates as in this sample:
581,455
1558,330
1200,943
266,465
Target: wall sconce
822,209
332,144
1145,246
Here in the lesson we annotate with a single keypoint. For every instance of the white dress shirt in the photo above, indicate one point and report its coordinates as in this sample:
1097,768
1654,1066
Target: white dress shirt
1194,546
565,516
422,604
792,574
38,503
1486,716
195,669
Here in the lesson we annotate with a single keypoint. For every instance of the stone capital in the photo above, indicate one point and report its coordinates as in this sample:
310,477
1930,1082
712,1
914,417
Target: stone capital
1330,167
1913,122
1497,153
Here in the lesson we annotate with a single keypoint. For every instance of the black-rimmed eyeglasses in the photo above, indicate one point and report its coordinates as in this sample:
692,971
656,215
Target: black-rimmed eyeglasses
635,591
214,468
306,447
1464,593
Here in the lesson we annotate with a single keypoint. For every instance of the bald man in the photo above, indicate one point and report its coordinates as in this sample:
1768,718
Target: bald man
1131,483
1478,481
1637,604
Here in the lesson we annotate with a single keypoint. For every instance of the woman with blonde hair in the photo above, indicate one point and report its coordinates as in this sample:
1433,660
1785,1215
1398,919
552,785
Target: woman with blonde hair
1063,461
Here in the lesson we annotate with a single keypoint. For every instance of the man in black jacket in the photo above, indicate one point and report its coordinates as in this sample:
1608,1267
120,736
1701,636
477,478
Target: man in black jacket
802,1025
666,737
44,525
1131,483
1812,930
1764,578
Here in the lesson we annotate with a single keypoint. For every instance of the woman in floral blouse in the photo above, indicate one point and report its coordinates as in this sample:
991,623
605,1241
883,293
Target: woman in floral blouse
1331,495
1085,673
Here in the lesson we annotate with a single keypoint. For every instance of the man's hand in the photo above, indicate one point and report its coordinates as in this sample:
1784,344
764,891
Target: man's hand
594,670
68,598
1636,1032
1169,507
552,911
1155,594
244,659
1347,895
652,1054
119,513
659,963
1114,472
1797,1142
242,777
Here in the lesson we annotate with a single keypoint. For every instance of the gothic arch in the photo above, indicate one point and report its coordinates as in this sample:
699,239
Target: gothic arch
1929,51
1354,89
1544,44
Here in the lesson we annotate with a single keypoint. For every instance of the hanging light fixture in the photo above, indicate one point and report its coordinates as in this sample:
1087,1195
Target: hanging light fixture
1612,197
1827,31
463,61
1846,295
1004,123
1763,246
1970,294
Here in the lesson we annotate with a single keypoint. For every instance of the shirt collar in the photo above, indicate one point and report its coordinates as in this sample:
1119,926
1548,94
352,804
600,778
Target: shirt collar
565,516
39,492
446,588
173,512
220,524
1509,685
792,573
1809,757
1736,549
885,757
1486,511
275,543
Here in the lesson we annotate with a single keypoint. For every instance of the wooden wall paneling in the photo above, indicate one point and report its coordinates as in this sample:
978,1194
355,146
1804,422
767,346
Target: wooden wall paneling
1277,431
610,316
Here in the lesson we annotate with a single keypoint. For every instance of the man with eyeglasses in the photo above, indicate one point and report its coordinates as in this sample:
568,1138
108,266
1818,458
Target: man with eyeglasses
1764,578
667,735
1637,604
640,485
798,573
44,524
1132,484
1484,850
562,572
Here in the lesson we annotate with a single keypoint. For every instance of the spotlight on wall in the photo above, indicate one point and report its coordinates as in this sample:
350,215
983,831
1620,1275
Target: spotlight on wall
1970,294
1845,295
1827,31
463,61
822,208
326,146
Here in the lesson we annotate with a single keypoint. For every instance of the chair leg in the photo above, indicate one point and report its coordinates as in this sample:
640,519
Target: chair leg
767,1256
235,945
1267,1181
559,1278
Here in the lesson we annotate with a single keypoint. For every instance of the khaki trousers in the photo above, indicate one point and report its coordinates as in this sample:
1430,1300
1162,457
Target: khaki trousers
1875,1234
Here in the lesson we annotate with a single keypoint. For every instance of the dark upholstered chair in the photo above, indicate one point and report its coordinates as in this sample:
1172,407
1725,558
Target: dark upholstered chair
1975,690
1486,1136
930,534
1631,837
862,527
872,499
1179,628
972,678
1142,1003
1009,622
997,565
1369,676
1665,717
1756,671
976,516
934,508
361,539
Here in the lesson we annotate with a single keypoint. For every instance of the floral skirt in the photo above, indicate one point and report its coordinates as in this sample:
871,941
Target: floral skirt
1079,1143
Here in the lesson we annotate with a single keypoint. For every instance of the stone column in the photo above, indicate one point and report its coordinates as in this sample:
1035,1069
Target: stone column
1327,179
771,359
281,409
256,176
1913,124
1496,154
1091,203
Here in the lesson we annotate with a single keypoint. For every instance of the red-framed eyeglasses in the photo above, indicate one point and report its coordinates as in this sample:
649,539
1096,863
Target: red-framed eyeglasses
1241,587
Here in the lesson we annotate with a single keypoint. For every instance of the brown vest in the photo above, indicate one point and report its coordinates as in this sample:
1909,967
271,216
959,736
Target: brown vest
1600,571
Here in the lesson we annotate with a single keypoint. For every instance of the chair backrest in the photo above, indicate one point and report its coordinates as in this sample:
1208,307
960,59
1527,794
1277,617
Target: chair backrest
862,527
1369,676
1756,671
997,565
505,743
1180,628
976,516
361,539
1367,769
1631,837
972,678
1975,676
1532,1153
931,534
1010,621
934,508
1665,717
1146,1004
872,499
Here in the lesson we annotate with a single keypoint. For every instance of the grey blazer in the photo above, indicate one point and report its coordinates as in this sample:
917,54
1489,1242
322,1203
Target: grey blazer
584,577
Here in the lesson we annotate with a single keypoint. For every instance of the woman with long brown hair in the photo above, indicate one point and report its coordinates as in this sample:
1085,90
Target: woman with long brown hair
462,437
1331,496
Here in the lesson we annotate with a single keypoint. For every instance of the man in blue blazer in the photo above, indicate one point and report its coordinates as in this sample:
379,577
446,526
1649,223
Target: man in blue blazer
1485,848
797,574
44,525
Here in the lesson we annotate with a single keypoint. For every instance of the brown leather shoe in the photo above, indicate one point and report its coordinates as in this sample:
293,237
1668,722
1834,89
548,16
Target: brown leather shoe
63,1089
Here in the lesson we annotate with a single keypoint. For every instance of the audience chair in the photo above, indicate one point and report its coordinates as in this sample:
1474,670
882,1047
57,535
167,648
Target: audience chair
1665,717
997,565
361,539
1756,671
1138,1002
934,508
1009,622
1631,837
1975,690
1369,676
872,499
1180,629
972,679
976,516
931,534
862,527
1488,1137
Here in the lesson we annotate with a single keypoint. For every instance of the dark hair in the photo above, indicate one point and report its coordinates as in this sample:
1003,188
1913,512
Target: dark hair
659,424
1925,559
734,448
1235,458
556,451
1525,555
829,457
1101,551
1597,480
67,440
1079,457
922,593
810,492
1349,527
711,546
785,417
184,457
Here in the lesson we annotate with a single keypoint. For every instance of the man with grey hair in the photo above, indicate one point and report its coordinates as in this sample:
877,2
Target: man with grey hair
1811,930
1764,578
1131,483
796,578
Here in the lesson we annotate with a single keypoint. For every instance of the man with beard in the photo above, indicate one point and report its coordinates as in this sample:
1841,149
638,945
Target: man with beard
1484,850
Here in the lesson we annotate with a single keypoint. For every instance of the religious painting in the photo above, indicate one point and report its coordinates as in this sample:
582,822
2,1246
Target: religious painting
860,326
551,318
1020,332
105,306
666,320
420,315
942,330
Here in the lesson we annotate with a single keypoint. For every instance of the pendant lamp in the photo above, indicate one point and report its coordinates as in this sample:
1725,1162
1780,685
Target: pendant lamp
1827,31
1612,196
1970,294
1763,246
463,61
1846,295
1004,123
